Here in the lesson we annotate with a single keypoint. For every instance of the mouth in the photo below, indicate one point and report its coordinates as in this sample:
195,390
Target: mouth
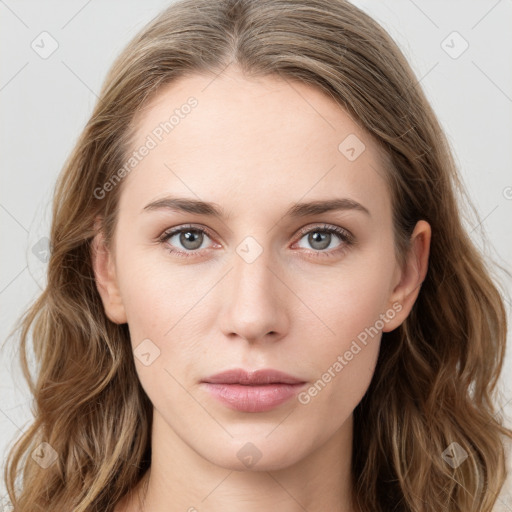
258,391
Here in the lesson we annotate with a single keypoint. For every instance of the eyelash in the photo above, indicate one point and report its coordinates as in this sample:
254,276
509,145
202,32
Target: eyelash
346,237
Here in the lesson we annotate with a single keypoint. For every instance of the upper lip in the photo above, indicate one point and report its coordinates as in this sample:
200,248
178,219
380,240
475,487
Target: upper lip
241,376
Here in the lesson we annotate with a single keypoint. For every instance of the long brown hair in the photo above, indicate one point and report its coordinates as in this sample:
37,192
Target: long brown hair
435,380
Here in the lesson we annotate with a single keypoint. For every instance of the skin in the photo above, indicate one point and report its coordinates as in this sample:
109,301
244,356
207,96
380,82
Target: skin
255,147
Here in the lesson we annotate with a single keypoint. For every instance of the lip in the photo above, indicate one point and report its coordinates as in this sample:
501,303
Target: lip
257,391
241,376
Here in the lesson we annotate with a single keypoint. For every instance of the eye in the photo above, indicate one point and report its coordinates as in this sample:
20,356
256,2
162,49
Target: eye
324,237
185,239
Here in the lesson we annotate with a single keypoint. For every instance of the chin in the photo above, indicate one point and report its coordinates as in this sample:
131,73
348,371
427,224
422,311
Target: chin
258,453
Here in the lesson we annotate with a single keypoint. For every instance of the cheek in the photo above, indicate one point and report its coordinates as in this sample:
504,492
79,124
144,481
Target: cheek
351,299
352,305
167,309
161,322
155,293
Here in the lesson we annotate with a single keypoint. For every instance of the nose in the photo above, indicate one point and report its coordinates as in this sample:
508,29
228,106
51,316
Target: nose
255,301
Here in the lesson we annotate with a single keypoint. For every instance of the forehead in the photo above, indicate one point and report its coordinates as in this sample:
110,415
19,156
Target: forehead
229,138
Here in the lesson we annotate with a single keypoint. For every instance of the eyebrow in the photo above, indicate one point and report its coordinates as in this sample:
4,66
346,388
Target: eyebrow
182,204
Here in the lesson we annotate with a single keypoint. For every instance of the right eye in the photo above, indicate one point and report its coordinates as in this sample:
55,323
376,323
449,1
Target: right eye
189,239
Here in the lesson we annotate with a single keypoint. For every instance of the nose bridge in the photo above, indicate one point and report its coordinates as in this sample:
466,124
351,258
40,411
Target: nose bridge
251,269
254,303
254,281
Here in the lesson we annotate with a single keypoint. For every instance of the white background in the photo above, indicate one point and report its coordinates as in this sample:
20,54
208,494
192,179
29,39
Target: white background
45,103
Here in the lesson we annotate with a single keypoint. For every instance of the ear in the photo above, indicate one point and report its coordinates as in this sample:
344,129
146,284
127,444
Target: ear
103,263
411,276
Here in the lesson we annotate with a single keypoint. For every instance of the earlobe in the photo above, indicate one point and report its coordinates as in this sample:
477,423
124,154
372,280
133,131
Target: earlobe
106,282
412,275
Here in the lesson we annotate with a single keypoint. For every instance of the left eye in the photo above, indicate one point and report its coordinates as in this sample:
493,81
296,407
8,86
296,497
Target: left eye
191,239
321,238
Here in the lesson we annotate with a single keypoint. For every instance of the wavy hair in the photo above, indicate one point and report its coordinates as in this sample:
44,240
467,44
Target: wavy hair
435,382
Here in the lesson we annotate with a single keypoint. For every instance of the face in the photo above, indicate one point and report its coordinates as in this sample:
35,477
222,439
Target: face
266,283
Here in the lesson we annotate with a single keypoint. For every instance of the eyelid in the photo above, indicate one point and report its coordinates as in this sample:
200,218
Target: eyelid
168,233
343,233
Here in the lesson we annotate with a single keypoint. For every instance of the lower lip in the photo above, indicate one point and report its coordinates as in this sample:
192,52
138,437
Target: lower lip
253,398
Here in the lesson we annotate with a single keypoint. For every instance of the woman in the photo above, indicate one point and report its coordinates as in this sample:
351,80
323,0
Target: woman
260,293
